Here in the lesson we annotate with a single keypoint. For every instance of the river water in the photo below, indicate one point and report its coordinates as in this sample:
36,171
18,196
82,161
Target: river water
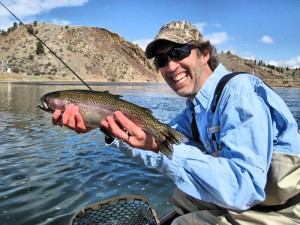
48,173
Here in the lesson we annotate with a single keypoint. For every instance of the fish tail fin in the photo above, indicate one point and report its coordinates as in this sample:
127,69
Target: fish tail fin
171,137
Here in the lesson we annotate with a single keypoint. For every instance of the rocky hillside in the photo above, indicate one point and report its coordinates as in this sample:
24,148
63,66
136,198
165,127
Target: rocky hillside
97,54
275,77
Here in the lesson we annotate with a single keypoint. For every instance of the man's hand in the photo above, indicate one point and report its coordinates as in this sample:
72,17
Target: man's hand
70,118
127,131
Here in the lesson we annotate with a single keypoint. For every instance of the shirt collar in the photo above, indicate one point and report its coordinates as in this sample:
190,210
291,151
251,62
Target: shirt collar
206,92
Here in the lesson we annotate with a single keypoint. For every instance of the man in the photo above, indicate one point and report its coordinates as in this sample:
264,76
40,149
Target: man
242,156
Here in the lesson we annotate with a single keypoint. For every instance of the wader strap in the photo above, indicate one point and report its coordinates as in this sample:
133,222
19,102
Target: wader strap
268,208
195,131
230,219
216,97
220,87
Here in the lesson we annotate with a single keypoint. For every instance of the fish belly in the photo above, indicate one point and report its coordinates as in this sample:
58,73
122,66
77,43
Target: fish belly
92,115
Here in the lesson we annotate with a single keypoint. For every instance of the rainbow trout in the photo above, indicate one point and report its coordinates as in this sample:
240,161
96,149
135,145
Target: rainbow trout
96,106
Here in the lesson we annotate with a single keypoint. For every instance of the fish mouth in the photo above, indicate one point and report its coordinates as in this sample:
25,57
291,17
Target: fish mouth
44,107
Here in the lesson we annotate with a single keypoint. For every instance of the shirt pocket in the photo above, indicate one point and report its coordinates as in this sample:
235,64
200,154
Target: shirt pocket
212,143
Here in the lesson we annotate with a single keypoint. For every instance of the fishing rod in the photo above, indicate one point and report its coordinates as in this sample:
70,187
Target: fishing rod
47,47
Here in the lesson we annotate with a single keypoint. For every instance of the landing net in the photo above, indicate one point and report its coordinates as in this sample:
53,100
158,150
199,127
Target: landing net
126,210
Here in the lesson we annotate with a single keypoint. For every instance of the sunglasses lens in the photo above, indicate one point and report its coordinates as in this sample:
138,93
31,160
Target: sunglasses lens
161,61
175,54
180,53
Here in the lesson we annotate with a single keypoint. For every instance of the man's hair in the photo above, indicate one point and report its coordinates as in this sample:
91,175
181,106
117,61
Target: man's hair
213,60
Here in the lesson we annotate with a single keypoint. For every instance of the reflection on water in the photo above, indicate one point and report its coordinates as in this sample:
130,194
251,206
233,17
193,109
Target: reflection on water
48,173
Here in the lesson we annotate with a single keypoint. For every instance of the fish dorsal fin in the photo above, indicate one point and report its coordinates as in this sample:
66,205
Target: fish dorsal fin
148,110
113,95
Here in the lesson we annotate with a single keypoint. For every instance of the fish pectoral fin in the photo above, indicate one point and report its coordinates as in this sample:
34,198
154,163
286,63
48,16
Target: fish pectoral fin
106,133
109,138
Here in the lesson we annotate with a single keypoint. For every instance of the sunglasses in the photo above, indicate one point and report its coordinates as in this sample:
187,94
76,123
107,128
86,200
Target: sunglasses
176,53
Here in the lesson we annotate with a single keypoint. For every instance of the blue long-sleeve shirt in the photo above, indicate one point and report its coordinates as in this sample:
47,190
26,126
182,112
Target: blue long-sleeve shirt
250,122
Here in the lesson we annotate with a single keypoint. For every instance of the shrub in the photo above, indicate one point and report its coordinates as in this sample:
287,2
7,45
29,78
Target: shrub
30,30
16,70
39,48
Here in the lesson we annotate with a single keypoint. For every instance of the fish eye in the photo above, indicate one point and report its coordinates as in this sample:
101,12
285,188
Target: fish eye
46,99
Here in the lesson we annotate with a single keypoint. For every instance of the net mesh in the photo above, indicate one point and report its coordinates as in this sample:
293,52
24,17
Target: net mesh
127,210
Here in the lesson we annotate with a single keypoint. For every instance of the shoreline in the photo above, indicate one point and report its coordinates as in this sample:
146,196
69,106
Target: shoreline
49,80
30,79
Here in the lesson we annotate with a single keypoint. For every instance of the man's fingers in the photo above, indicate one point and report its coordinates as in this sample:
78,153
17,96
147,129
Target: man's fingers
104,124
116,130
67,114
79,122
127,124
56,117
70,119
126,130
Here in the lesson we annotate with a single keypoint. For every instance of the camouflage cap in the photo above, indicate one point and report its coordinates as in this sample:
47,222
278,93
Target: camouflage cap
180,32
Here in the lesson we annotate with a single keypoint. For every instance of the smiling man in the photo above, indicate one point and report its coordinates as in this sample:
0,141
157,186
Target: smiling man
241,164
186,79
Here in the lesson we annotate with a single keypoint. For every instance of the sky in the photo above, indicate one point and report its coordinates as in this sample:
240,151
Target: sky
266,30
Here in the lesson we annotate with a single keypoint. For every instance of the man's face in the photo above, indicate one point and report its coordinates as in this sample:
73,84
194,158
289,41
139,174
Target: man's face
185,76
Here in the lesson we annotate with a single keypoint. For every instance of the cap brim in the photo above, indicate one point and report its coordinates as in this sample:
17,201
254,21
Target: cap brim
151,47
